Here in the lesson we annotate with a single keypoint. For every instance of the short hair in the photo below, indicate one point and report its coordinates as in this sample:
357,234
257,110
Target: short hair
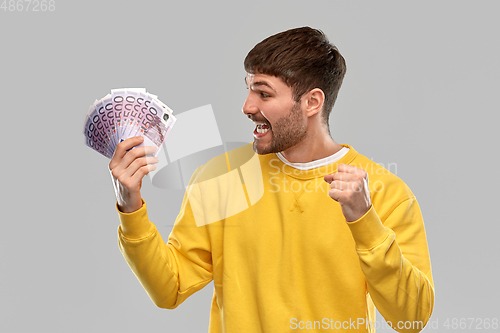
304,59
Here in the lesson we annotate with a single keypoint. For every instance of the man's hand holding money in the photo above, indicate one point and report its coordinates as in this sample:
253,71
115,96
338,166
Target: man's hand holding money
128,167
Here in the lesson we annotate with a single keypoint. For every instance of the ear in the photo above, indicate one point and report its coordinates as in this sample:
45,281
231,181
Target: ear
314,100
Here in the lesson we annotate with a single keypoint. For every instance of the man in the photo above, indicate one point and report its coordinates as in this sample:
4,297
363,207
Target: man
330,235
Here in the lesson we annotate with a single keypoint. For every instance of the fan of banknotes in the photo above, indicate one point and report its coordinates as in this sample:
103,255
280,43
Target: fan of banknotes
126,113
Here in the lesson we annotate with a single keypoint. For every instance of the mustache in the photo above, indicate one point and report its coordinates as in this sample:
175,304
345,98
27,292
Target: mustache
259,120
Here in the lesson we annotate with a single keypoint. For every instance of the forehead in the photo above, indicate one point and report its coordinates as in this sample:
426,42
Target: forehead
273,82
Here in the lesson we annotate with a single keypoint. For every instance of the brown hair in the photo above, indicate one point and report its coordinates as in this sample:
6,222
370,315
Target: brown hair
304,59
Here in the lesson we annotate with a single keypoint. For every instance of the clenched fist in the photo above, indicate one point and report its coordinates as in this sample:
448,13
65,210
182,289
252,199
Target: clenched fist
128,167
349,187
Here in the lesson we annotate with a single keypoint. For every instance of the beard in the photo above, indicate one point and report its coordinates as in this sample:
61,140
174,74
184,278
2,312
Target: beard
286,132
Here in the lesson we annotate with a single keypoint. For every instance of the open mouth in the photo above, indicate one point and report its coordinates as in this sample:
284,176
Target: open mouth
262,128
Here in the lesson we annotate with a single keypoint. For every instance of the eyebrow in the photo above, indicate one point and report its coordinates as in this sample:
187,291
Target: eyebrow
261,83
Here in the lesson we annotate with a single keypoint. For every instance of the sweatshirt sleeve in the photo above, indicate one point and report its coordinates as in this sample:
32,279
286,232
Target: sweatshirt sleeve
394,258
169,271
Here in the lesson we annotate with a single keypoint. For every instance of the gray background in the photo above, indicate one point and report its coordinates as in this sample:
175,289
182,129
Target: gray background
420,91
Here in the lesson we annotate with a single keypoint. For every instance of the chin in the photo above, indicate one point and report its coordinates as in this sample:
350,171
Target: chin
261,150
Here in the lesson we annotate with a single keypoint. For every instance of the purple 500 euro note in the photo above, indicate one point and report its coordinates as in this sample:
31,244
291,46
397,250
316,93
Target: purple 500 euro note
126,113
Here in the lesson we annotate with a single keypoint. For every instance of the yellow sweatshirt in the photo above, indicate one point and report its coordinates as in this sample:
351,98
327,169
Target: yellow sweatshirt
280,253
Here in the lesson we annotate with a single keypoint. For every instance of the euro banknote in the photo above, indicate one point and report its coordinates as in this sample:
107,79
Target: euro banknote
125,113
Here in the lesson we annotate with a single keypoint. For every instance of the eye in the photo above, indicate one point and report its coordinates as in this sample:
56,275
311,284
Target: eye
264,95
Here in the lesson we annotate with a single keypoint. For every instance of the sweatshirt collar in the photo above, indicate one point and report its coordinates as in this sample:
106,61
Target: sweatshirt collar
316,172
316,163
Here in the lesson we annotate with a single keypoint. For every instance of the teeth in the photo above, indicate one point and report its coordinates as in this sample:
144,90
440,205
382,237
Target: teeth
260,129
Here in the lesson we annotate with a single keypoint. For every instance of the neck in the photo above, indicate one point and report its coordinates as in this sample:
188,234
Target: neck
315,146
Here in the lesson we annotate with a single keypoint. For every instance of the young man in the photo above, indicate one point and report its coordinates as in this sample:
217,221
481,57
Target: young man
309,234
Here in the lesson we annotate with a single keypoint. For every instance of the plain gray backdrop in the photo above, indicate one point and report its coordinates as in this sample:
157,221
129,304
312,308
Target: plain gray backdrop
420,92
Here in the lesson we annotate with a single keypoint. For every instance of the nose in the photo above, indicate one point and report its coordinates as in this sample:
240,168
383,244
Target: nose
249,107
